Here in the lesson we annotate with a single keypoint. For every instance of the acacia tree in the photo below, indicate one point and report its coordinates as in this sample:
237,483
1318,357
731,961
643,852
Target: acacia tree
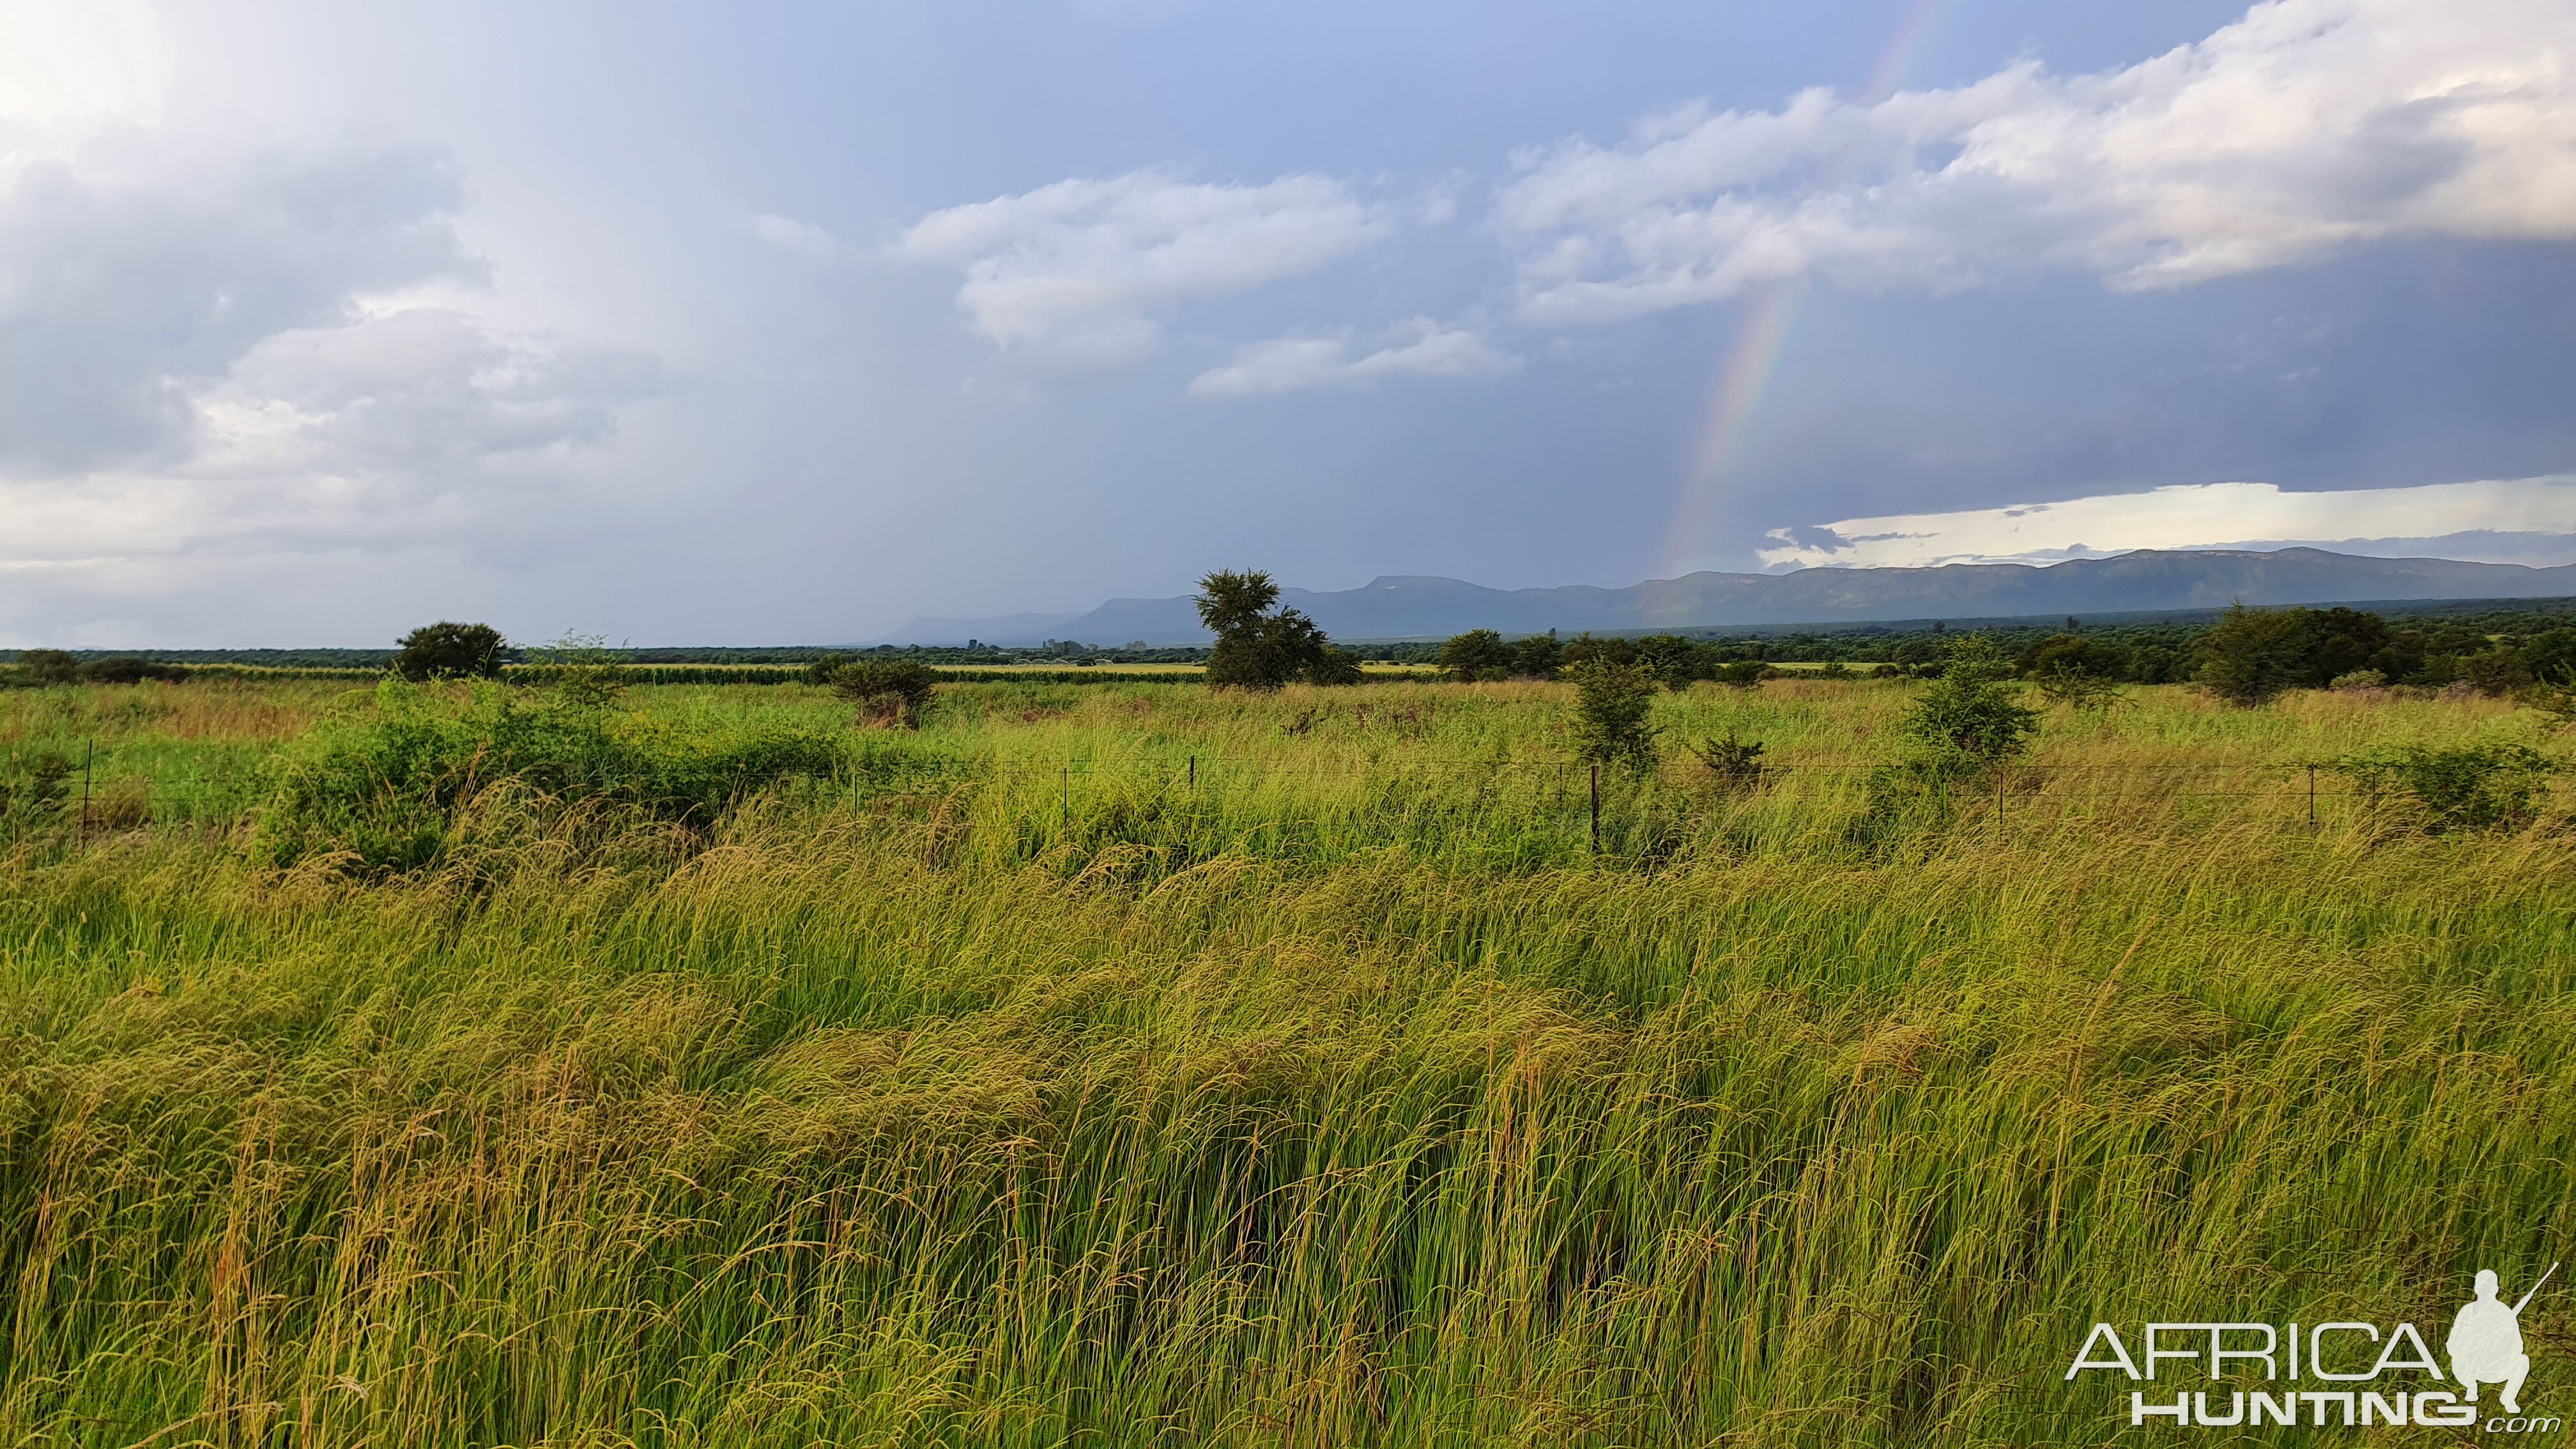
1260,645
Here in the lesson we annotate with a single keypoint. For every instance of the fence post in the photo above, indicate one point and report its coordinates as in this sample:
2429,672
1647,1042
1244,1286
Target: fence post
1194,772
1064,793
2312,797
80,835
1596,809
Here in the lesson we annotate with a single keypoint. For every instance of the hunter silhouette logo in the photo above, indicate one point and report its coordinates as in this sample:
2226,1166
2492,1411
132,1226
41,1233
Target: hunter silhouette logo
2342,1374
2486,1343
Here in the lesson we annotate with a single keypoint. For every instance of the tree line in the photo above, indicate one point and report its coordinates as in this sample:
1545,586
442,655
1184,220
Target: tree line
2247,655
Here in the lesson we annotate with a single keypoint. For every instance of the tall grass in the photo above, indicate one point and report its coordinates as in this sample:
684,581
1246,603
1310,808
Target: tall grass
1014,1089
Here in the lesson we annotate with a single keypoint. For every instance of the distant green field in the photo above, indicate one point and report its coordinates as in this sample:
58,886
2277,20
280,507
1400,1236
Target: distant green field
1130,1064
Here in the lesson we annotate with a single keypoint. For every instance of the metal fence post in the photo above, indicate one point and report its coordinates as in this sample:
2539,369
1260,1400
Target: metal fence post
1596,809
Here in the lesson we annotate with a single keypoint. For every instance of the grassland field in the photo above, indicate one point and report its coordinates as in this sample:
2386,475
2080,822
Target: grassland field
1129,1064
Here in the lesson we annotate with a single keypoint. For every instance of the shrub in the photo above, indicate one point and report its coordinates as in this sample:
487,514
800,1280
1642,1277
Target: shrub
1744,673
1733,760
588,674
2464,787
887,691
2556,700
446,650
33,786
1611,705
2359,680
1968,716
2080,690
387,786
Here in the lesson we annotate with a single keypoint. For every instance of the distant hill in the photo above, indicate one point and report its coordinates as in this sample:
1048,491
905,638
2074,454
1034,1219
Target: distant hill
1410,607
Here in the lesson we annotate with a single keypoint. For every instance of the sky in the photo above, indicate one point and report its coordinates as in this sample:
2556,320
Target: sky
776,323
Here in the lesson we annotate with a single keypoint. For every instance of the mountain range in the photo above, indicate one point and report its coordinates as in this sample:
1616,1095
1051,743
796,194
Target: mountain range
1413,607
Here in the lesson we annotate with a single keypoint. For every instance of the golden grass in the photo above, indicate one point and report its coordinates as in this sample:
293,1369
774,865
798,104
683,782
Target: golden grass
1037,1096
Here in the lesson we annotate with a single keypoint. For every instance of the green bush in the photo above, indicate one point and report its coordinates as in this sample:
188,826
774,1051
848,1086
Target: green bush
1611,705
448,650
2065,685
1968,716
386,785
887,691
2464,787
33,787
1733,760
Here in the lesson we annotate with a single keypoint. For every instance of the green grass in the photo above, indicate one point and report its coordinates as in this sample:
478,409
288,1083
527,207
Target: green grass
1127,1065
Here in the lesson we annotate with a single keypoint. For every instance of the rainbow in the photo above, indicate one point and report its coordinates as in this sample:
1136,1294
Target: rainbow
1761,336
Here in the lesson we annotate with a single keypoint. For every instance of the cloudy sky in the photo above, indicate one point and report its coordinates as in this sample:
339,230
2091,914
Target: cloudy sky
770,323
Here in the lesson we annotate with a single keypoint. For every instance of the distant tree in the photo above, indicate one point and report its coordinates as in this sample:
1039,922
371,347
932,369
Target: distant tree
2551,656
1744,673
1583,650
1969,716
1476,655
1612,703
887,691
1674,661
1538,656
49,666
2498,670
1260,645
2251,655
447,650
2073,654
126,670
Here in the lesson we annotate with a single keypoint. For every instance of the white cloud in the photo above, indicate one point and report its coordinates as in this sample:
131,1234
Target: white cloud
392,430
1291,363
125,290
82,61
1077,271
2520,520
2307,125
204,352
801,237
